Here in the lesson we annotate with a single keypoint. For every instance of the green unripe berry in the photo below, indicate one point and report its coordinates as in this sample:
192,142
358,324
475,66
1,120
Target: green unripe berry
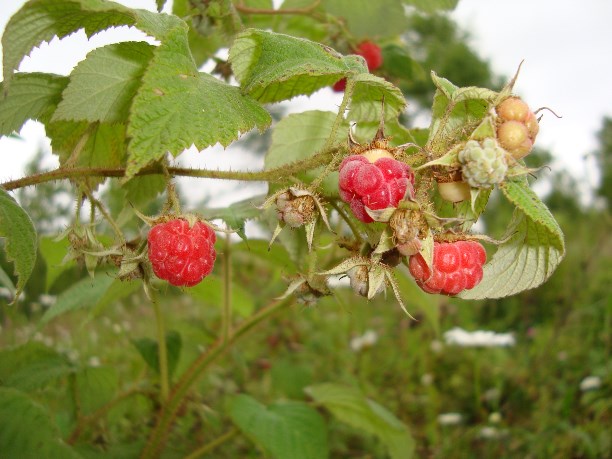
484,164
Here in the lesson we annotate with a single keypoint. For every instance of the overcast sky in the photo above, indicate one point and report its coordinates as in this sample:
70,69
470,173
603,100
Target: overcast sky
566,47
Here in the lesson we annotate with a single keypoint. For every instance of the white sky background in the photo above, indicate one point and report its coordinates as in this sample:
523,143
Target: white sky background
567,50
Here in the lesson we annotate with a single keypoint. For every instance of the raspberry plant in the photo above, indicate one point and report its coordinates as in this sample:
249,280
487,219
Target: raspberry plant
379,201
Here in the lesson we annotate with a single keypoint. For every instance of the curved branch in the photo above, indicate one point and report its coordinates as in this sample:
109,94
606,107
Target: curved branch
278,174
241,8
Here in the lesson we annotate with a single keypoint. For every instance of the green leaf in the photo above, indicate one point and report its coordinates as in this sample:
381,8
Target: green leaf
523,197
41,20
210,292
54,252
6,281
272,67
149,350
350,406
118,290
433,6
32,96
32,366
530,256
368,96
95,387
18,230
236,215
102,86
88,145
177,107
367,19
453,110
398,63
139,191
84,294
299,136
27,430
284,430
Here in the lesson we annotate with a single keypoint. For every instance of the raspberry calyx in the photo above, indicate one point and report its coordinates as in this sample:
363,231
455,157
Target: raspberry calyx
457,266
181,254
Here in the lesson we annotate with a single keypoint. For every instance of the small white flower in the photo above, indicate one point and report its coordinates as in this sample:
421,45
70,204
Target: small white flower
5,293
489,433
47,300
492,395
368,339
94,361
590,383
450,419
495,418
427,379
436,346
478,338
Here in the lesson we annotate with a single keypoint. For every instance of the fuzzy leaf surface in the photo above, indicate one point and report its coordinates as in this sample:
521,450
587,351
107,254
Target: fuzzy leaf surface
350,406
149,351
39,21
236,214
88,145
32,96
96,386
177,107
102,86
453,110
284,430
368,95
272,67
27,430
299,136
84,294
20,238
529,257
32,366
367,19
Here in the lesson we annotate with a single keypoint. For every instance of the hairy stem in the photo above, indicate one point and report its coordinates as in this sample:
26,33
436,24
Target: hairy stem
227,289
95,203
159,434
208,447
162,350
241,8
279,174
348,221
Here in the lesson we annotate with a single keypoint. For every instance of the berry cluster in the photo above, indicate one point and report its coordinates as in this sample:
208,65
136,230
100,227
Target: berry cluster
517,127
484,164
457,266
376,185
373,57
180,254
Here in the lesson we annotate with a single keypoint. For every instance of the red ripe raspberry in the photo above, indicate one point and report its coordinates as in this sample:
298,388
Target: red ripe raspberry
373,56
457,266
377,185
182,255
